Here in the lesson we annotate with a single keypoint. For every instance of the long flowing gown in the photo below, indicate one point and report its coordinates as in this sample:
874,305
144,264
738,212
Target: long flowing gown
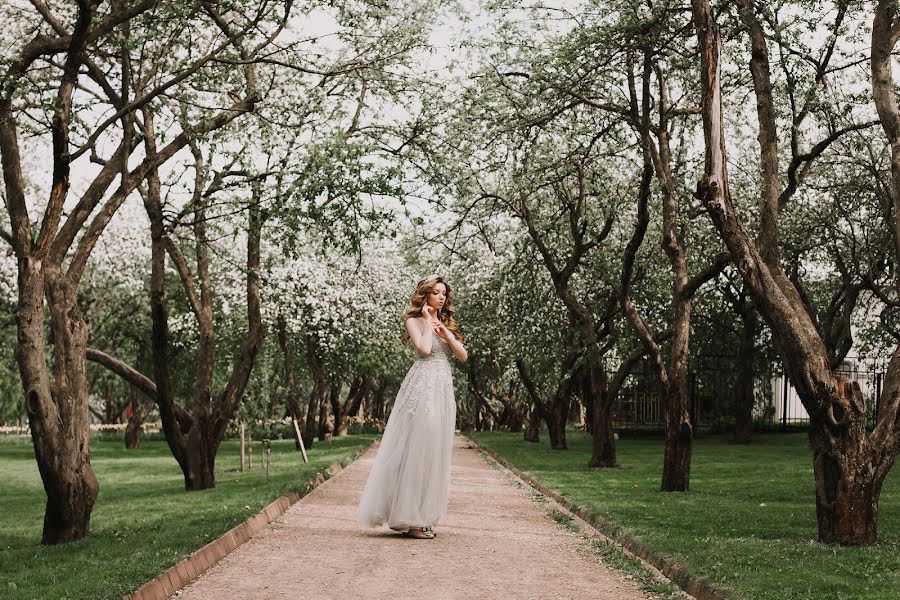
410,480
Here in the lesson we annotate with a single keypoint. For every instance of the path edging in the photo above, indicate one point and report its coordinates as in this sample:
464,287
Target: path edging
184,572
700,588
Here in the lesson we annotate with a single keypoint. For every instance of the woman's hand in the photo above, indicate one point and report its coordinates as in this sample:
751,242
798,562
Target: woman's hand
441,331
428,312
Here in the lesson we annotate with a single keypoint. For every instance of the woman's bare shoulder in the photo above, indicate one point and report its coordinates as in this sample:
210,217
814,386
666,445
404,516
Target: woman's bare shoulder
417,322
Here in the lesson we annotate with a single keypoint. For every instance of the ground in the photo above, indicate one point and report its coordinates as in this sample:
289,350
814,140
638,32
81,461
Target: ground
498,540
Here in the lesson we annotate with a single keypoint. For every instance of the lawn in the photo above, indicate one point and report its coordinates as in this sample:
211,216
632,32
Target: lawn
143,521
748,523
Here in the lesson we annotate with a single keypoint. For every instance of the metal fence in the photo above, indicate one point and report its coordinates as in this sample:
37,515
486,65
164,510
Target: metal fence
712,394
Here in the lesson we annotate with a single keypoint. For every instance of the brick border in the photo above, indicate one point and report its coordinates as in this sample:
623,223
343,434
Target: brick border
700,588
181,574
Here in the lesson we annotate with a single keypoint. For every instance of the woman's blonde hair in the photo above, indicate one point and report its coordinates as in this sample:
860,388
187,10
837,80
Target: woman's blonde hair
423,288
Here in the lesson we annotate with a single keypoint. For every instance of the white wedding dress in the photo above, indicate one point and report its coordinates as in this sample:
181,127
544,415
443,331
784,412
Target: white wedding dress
410,481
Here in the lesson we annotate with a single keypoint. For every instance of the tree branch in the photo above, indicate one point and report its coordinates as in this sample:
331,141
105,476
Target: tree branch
125,371
710,272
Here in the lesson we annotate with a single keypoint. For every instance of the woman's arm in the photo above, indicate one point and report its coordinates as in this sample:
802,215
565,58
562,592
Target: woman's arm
421,340
458,350
455,345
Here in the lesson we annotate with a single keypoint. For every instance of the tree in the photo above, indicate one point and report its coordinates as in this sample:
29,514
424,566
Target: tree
671,374
93,44
849,466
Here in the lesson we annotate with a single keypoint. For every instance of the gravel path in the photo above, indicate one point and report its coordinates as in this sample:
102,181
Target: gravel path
494,542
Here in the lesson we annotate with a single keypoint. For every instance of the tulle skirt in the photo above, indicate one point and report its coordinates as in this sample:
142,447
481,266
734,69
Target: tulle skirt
410,480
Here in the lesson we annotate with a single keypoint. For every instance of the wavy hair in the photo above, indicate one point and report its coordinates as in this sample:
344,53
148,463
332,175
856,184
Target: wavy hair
423,288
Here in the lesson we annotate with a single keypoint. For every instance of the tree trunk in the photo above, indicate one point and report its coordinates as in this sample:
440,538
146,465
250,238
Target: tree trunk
293,394
73,488
512,418
559,416
312,422
603,451
173,427
848,466
848,484
359,389
357,407
317,396
679,438
679,430
576,407
139,409
376,410
330,404
135,424
533,424
512,414
194,437
554,414
744,399
133,435
587,398
58,408
110,414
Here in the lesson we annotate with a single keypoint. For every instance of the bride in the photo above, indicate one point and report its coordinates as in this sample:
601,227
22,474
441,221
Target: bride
410,479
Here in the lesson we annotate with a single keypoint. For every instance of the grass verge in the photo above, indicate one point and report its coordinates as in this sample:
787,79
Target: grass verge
143,521
616,559
748,523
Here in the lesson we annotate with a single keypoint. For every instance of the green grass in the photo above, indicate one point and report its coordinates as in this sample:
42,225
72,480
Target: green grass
614,558
748,523
143,521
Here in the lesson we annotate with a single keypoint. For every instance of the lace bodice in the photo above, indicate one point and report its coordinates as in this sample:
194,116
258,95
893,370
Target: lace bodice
440,350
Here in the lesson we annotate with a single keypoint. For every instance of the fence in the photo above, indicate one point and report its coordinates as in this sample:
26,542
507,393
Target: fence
712,393
787,409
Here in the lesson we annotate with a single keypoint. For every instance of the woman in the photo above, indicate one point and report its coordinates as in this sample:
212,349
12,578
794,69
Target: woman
410,480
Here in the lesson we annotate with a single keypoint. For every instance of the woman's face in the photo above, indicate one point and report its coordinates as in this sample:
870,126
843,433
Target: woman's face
437,296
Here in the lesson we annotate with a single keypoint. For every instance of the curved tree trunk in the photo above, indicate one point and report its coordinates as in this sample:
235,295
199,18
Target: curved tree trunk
671,375
133,434
512,414
603,453
57,407
559,411
849,466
